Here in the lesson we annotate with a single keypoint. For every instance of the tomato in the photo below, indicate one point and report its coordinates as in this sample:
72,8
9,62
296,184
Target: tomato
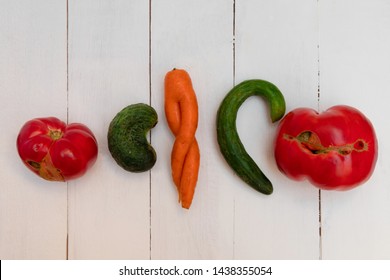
56,151
335,150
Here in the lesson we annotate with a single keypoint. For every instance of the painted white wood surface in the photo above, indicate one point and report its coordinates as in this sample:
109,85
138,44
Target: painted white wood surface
279,46
355,69
83,61
33,215
180,39
109,209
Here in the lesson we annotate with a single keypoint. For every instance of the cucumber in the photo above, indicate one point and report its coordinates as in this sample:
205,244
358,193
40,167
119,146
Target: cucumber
229,142
127,140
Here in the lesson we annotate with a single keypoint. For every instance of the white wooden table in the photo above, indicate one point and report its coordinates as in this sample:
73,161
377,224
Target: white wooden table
83,61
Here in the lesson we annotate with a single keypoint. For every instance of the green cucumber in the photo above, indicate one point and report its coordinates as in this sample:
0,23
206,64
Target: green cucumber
127,140
229,142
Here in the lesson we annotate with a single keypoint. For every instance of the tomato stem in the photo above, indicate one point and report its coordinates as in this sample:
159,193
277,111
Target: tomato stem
55,134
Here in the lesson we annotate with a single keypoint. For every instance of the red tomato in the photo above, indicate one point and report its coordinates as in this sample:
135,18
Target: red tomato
56,151
335,150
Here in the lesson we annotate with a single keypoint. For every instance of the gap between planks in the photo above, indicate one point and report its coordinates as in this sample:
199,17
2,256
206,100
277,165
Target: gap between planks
150,135
67,121
318,104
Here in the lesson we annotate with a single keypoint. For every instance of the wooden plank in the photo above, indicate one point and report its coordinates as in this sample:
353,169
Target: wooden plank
355,59
32,84
109,208
275,41
196,36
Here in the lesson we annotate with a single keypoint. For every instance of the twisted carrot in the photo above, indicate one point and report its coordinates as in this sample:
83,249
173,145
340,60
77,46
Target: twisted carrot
181,111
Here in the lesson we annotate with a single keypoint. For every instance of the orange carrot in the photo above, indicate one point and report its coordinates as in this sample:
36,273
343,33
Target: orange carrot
181,111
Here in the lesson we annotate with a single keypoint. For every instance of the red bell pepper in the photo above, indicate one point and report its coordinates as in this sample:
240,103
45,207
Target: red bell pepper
56,151
335,150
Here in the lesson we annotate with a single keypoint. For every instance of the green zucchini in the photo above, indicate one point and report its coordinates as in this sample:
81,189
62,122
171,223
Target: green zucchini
229,142
127,140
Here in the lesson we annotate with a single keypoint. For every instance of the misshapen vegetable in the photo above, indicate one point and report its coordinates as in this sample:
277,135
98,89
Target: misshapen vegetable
229,142
335,150
56,151
127,140
181,110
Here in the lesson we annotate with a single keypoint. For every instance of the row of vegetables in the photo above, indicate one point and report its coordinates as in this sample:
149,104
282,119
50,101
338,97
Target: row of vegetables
335,149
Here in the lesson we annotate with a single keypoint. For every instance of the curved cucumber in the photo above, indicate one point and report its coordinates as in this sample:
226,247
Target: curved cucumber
127,140
229,142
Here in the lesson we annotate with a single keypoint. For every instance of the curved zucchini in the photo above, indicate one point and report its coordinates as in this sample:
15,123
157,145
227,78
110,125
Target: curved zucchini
229,142
127,140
